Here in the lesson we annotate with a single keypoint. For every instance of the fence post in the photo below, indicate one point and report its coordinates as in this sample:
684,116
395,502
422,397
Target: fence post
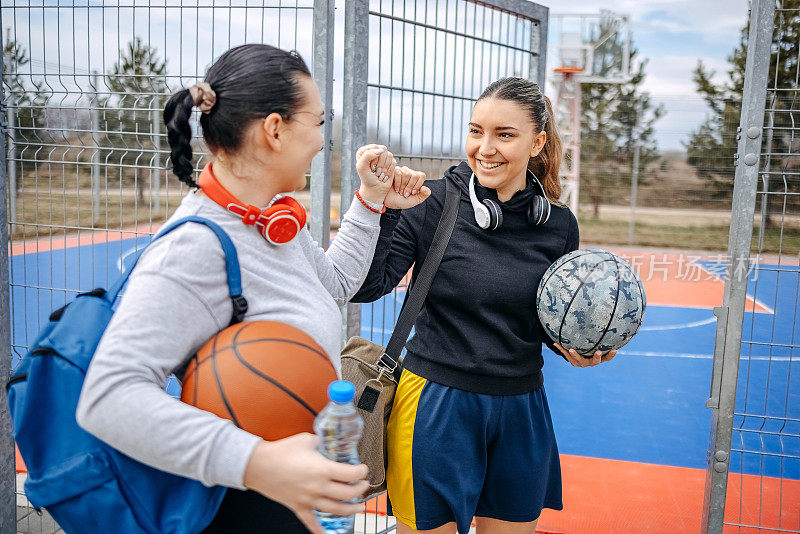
731,314
354,124
635,173
765,211
94,112
324,21
537,68
11,106
8,509
12,158
155,185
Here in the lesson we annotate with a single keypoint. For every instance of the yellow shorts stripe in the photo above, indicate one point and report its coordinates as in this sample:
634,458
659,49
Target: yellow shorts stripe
400,430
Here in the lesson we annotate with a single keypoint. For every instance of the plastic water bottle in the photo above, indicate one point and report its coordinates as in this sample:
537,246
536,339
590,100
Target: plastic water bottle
339,428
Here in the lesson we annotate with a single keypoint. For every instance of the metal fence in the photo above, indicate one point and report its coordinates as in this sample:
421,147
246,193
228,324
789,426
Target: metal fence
413,71
85,154
754,452
86,157
84,118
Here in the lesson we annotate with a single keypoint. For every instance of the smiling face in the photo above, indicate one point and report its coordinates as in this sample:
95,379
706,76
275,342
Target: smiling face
502,139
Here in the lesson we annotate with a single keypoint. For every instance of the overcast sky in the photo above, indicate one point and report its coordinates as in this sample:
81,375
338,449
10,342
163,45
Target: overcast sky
674,34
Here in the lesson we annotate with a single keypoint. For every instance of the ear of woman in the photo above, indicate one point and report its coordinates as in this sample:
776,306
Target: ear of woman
272,126
538,143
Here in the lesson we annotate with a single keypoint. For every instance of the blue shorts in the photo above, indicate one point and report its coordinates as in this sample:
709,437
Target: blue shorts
453,455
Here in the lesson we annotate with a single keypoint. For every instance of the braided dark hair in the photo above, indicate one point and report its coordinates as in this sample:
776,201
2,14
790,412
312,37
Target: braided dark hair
251,82
528,95
176,117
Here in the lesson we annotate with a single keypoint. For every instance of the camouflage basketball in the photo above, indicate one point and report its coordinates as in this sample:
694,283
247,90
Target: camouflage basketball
591,300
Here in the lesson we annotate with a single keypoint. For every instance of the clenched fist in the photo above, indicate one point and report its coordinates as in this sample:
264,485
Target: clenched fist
407,190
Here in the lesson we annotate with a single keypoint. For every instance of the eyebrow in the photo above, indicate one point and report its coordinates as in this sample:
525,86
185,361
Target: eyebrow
496,129
320,115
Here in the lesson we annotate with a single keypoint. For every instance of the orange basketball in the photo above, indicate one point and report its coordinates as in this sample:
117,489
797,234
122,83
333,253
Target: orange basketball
269,378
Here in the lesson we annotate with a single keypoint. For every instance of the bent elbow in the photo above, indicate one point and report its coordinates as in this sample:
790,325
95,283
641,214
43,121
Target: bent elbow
372,290
365,294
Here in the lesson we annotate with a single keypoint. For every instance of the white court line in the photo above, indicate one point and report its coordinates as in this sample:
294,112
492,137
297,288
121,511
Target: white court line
123,257
747,295
678,326
758,301
691,356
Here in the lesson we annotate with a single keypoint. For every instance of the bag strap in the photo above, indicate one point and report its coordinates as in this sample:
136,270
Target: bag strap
419,291
231,265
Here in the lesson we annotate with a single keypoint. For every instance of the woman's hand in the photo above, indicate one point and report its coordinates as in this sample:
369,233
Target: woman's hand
407,190
579,361
375,166
292,472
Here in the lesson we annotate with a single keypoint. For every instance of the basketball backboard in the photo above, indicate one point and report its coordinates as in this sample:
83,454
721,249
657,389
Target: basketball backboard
595,48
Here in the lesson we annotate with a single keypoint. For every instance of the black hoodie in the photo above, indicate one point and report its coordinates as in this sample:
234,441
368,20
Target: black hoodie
478,329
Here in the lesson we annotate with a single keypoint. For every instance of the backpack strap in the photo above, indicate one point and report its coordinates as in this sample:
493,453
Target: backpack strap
231,265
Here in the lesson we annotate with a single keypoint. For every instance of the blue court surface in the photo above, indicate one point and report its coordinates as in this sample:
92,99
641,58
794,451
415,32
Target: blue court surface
648,405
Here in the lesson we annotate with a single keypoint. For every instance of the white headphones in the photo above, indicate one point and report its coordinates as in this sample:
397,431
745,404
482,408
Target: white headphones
489,216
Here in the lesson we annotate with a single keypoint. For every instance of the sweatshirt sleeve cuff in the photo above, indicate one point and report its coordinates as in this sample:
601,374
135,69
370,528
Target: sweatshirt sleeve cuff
360,214
389,221
231,457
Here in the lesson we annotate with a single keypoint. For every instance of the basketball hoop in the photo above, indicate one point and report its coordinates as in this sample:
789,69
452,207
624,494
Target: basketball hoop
568,70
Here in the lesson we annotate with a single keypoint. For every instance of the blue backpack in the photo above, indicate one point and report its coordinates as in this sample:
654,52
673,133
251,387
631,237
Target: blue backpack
85,484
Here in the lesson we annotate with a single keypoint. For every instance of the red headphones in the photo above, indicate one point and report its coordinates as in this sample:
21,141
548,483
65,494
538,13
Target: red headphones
279,223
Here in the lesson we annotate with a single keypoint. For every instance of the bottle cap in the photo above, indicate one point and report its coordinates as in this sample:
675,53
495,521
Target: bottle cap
341,391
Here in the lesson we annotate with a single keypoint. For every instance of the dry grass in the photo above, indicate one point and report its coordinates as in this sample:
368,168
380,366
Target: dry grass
684,236
56,199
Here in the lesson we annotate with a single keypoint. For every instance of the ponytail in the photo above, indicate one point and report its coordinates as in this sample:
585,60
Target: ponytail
176,116
547,163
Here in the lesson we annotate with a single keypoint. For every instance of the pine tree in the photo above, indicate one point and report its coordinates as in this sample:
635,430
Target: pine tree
614,118
28,98
137,94
711,148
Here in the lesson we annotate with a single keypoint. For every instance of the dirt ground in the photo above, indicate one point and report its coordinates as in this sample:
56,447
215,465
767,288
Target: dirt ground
51,208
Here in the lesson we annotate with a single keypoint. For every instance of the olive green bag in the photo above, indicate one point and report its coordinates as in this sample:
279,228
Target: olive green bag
375,371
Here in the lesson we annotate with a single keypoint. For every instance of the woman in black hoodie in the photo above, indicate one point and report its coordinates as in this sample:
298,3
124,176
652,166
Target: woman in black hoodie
470,432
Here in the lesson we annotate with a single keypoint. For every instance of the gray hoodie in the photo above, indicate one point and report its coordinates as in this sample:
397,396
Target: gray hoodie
177,298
